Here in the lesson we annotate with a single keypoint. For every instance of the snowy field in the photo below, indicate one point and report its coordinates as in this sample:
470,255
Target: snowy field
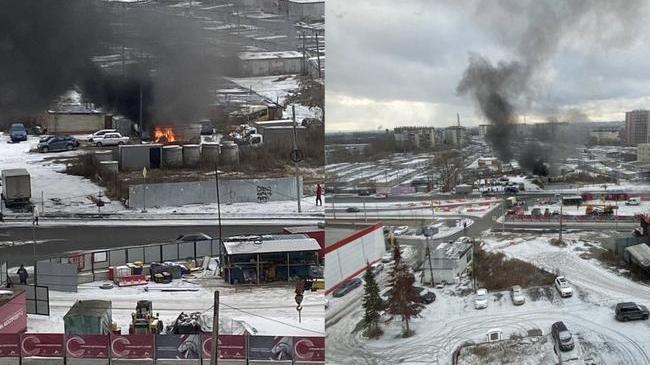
240,308
64,194
452,320
276,88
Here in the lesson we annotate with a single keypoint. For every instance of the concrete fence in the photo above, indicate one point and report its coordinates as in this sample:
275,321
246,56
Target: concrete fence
204,192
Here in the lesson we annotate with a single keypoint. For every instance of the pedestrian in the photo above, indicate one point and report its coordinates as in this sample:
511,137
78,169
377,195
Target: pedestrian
35,213
465,226
22,275
319,192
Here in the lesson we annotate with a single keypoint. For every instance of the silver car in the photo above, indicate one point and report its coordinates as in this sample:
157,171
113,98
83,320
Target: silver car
517,295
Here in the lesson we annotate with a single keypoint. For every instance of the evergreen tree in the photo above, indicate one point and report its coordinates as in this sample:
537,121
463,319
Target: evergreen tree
404,300
372,305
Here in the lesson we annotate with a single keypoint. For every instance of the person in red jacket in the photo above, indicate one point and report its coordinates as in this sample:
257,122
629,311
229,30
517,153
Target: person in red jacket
319,192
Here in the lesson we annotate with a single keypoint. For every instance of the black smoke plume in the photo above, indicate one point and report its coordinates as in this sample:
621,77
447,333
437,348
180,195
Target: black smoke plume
534,30
48,47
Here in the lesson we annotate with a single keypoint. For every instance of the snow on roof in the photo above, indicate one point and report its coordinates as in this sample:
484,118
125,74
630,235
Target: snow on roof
283,243
306,1
269,55
15,172
641,254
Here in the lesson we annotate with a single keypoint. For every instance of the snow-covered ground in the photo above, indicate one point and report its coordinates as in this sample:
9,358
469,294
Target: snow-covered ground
240,307
276,88
48,179
451,320
63,194
416,209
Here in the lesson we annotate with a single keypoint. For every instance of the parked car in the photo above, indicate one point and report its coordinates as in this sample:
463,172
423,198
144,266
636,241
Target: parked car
487,193
400,230
481,299
346,287
563,287
633,201
629,311
388,257
58,143
379,196
18,132
376,268
111,139
100,134
426,295
517,295
562,336
352,210
193,237
511,190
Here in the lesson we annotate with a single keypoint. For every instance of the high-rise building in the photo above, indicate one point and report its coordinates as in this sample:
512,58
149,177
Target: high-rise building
636,127
415,137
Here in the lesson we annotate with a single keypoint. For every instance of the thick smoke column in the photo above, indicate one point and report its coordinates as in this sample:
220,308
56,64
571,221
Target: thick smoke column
534,30
47,47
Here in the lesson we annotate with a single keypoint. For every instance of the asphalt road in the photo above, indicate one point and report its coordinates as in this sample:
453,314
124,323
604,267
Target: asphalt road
60,239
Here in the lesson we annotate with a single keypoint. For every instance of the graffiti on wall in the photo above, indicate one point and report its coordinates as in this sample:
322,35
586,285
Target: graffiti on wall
263,193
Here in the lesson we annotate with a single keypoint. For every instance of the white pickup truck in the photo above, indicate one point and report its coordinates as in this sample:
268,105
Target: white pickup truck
111,139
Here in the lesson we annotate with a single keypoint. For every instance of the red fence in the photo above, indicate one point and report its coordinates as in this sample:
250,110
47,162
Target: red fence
230,347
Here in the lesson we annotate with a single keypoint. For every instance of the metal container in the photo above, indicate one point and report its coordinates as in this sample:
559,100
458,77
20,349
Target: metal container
229,152
191,155
210,152
108,168
103,156
172,156
89,317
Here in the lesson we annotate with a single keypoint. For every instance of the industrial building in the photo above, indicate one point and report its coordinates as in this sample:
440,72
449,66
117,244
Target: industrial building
263,259
270,63
447,263
636,127
308,10
76,119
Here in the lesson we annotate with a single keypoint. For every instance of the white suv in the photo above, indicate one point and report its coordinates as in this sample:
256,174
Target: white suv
562,286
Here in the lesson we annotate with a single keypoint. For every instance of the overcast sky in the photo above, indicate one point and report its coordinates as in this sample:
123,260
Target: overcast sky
393,63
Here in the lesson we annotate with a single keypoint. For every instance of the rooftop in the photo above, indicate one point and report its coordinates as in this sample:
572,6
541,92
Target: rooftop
269,55
270,244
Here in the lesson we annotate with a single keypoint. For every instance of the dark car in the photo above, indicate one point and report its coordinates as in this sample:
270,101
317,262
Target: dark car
346,287
58,143
562,336
18,132
487,193
511,190
630,311
426,295
353,210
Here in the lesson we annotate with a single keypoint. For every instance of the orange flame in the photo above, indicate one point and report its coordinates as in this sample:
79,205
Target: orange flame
165,135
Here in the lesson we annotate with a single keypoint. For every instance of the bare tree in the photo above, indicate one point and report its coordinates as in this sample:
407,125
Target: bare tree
447,163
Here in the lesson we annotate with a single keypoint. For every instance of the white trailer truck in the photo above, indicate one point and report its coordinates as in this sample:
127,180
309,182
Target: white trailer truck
16,187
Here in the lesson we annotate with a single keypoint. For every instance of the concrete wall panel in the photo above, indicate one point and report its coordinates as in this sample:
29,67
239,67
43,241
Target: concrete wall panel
204,192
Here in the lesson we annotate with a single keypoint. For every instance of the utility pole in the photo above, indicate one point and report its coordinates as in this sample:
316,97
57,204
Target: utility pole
34,249
295,162
140,114
318,54
561,209
214,355
216,183
427,234
144,190
304,54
